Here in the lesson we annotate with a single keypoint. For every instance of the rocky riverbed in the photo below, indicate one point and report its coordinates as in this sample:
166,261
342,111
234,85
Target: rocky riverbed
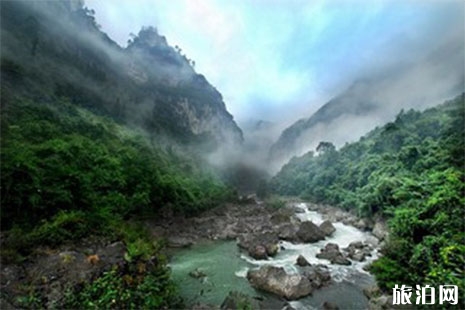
301,256
297,256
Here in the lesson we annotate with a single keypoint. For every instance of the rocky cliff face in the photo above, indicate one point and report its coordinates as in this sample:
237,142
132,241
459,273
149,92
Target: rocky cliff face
55,48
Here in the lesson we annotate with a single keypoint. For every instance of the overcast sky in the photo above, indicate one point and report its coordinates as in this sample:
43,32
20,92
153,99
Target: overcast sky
271,59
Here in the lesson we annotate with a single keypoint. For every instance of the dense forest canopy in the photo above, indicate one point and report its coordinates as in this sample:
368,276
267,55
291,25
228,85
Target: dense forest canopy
410,171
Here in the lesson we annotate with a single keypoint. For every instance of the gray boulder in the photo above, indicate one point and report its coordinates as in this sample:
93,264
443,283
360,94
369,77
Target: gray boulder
275,280
309,232
282,216
288,232
327,228
318,275
380,230
261,245
258,252
358,251
331,252
302,261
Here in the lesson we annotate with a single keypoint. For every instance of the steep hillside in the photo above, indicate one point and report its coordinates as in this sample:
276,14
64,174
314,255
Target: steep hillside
55,49
410,171
95,140
368,103
349,104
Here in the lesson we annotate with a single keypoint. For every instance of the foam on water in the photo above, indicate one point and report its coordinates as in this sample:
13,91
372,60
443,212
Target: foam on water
308,215
226,268
343,236
242,273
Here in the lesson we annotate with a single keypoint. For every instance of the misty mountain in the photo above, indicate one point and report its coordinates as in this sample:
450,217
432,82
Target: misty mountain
348,104
56,49
376,96
371,102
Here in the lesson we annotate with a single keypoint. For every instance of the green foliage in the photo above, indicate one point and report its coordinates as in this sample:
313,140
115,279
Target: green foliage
143,282
137,239
67,173
410,171
32,300
389,273
127,288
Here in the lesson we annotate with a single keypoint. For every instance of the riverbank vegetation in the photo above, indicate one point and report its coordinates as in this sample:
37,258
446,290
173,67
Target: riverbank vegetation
68,174
409,171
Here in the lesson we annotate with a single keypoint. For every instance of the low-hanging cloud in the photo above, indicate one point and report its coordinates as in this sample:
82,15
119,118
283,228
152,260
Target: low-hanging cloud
295,55
281,61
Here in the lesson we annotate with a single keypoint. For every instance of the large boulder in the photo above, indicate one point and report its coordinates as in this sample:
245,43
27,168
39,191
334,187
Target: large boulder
288,232
309,232
334,215
331,252
380,230
318,275
282,216
302,261
327,228
363,224
358,250
258,252
259,246
272,248
275,280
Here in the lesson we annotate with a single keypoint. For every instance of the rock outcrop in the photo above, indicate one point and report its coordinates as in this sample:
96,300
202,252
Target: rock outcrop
358,251
260,245
331,252
275,280
318,275
380,230
309,232
54,273
302,261
327,228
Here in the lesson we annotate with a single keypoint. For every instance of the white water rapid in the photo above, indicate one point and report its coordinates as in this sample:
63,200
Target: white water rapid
227,268
343,236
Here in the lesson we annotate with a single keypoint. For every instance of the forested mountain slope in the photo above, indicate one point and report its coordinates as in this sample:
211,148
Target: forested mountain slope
56,49
410,171
68,174
95,139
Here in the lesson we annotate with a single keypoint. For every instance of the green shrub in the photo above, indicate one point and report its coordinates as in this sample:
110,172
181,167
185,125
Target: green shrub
126,289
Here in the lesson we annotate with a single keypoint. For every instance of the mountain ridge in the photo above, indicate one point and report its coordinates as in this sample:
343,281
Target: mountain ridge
57,49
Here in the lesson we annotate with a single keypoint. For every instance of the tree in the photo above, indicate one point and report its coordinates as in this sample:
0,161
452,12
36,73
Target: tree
324,147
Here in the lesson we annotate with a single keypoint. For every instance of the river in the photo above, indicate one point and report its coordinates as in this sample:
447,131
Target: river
226,268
